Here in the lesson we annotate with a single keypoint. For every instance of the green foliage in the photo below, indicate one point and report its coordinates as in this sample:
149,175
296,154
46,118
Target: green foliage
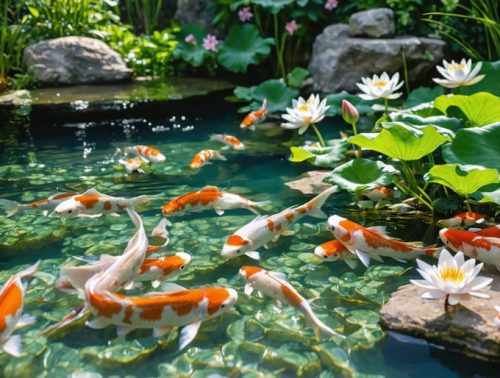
278,95
324,157
439,121
242,47
463,179
488,194
490,83
479,109
272,5
296,77
192,53
144,15
360,173
335,102
421,95
480,146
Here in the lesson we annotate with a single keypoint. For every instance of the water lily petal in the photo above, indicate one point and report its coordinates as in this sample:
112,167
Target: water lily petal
423,284
479,295
454,299
433,294
479,282
475,80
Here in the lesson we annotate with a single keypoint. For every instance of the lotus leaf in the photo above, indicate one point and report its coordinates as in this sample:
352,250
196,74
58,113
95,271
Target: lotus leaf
278,95
274,5
400,141
325,157
489,193
441,121
242,47
491,70
422,95
361,173
463,179
480,109
194,54
334,357
335,102
479,146
296,77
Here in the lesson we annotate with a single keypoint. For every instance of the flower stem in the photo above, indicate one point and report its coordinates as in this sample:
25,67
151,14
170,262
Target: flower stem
357,150
278,48
386,106
467,204
318,135
446,306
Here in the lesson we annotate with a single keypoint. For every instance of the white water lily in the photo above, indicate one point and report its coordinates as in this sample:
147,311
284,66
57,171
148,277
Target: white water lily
459,74
305,113
452,277
380,87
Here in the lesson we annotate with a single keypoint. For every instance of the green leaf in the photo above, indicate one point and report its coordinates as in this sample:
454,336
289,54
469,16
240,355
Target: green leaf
421,95
296,77
278,95
34,12
274,5
195,55
416,120
480,146
243,93
299,154
335,102
324,157
479,109
242,47
489,193
360,173
463,179
490,83
400,141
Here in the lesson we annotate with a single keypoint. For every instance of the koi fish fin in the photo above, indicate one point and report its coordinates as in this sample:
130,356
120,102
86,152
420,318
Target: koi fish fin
264,104
160,229
287,233
155,284
382,230
89,215
317,202
45,213
219,156
248,289
253,210
377,258
480,220
400,260
170,287
25,320
214,137
188,333
97,323
351,263
474,229
278,275
13,346
225,148
253,255
114,214
91,191
132,285
11,207
219,211
123,331
363,257
139,201
159,332
29,271
261,204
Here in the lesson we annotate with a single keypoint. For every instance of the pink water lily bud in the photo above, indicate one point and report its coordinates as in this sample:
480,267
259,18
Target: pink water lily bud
210,43
349,112
245,14
291,27
190,39
331,5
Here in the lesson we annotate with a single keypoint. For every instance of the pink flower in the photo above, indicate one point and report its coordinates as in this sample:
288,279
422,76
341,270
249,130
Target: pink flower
349,112
245,14
210,43
190,39
331,5
291,27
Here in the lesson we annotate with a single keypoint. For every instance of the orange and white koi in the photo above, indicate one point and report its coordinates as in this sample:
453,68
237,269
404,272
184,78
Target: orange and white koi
275,286
483,248
265,229
11,309
133,165
229,140
46,204
255,117
203,157
147,153
377,193
334,250
176,307
94,204
209,197
466,219
492,232
372,243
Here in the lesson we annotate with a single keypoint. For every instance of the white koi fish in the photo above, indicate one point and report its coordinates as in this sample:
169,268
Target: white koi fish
229,140
367,243
274,285
146,153
203,157
265,229
11,309
133,165
467,219
209,197
46,204
94,204
377,193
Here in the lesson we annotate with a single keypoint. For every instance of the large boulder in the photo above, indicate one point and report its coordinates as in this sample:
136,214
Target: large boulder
374,23
339,60
75,60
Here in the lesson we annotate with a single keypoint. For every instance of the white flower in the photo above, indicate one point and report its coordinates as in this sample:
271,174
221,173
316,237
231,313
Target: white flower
305,113
496,321
380,87
459,74
452,277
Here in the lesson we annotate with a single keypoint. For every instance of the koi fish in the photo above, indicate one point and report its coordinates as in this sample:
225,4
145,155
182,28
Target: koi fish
46,204
483,248
466,219
265,229
147,153
371,242
255,117
492,232
203,157
94,204
334,250
229,140
209,197
132,165
274,285
11,309
73,316
160,231
377,193
176,307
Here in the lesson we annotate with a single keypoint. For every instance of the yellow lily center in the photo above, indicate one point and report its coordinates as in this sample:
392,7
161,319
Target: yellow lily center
452,274
307,119
303,108
379,83
456,66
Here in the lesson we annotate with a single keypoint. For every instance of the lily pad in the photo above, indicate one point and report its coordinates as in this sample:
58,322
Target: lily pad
325,157
193,53
361,173
278,95
463,179
489,194
442,121
421,95
296,77
491,70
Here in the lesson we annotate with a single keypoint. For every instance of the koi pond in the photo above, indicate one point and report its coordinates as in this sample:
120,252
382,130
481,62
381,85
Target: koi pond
254,338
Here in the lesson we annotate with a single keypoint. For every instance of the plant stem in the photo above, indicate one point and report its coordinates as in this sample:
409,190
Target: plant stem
318,135
357,150
386,106
278,48
467,204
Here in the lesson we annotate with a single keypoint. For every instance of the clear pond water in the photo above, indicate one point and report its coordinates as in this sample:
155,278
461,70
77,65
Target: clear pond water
38,158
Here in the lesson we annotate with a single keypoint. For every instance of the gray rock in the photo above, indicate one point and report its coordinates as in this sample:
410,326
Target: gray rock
339,61
374,23
310,182
191,12
467,327
75,60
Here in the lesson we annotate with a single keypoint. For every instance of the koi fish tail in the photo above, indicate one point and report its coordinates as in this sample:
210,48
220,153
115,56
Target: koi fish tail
74,278
218,156
12,207
214,137
29,271
433,251
139,201
264,104
319,327
258,205
317,202
160,230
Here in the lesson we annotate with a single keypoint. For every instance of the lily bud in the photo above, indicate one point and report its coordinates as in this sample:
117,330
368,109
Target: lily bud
349,112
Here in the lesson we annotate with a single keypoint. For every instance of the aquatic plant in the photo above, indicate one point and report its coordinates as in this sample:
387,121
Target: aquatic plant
383,87
458,74
145,15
